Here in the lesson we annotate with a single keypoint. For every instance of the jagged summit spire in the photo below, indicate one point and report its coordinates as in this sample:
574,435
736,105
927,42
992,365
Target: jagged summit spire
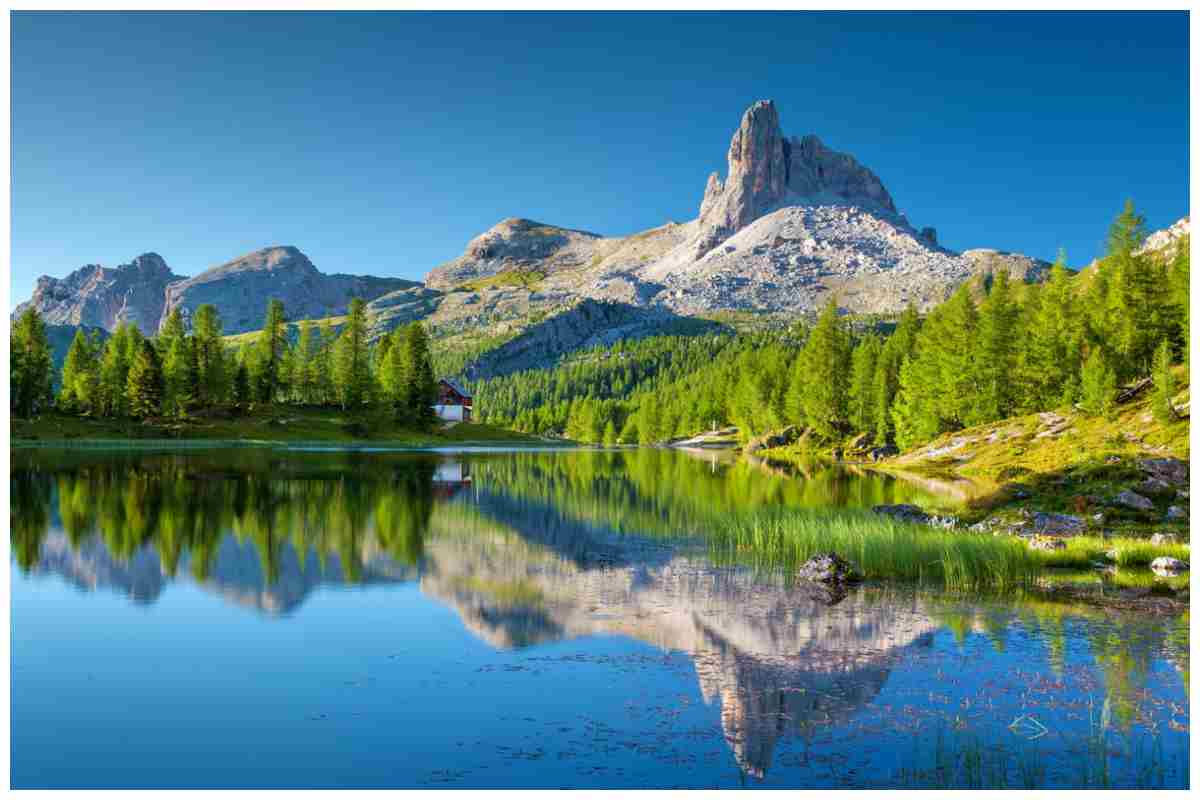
766,170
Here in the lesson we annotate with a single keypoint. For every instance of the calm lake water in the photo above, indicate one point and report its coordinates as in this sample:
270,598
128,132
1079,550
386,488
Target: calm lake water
267,618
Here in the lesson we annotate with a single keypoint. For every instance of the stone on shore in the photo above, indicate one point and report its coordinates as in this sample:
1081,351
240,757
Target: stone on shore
1167,566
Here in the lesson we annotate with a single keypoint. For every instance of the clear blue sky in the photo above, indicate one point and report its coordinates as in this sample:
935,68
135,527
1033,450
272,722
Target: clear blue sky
382,143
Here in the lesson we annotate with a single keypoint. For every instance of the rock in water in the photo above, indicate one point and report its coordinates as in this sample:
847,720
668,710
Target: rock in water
1167,566
828,568
1133,500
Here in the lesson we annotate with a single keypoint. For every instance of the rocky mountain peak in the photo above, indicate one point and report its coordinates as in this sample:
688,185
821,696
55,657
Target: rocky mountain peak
104,297
766,171
757,174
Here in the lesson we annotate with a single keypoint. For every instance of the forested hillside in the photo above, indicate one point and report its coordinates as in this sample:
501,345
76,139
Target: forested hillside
994,349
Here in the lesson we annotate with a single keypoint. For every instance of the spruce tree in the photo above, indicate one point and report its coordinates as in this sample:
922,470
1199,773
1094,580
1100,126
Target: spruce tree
144,386
1164,385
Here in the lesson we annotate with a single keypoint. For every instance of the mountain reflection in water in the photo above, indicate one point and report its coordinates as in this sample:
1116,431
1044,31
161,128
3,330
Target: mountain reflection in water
527,549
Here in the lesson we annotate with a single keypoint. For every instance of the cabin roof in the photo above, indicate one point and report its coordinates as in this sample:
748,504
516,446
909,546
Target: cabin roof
456,387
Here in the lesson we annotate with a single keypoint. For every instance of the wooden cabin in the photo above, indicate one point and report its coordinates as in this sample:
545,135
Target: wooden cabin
453,402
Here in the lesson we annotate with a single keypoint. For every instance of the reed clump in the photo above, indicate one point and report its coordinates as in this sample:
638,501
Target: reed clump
881,547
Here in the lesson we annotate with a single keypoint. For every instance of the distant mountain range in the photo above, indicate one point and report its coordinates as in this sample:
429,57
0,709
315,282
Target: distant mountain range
792,222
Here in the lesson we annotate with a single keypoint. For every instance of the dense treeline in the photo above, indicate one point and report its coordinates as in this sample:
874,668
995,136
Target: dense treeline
992,350
180,372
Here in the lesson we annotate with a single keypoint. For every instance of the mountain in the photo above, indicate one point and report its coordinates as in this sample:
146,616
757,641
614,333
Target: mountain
104,297
792,221
145,290
241,288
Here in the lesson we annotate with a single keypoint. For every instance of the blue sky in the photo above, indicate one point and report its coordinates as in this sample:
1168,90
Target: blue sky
382,143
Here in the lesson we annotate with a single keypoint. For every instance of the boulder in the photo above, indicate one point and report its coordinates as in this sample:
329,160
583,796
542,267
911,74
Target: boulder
1175,513
1170,470
769,440
828,568
1155,487
887,451
1167,566
1133,500
906,512
1164,538
1048,543
1061,524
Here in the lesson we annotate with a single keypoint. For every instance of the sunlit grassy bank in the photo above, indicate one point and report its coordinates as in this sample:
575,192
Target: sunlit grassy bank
886,549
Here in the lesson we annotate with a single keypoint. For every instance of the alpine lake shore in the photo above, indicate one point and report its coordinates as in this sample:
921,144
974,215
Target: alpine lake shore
1061,504
1056,505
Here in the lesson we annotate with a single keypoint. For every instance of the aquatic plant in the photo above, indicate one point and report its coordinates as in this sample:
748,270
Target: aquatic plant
882,548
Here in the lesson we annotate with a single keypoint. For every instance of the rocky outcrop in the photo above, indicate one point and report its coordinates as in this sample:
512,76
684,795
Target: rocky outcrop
104,297
513,245
241,288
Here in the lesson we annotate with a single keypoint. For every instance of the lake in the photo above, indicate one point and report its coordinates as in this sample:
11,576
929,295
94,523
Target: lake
287,618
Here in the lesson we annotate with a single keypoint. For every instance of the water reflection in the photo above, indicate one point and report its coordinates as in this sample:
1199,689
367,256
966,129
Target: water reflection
534,548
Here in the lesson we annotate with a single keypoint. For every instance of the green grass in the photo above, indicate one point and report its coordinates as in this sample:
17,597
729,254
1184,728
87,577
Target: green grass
524,278
882,548
267,424
1084,551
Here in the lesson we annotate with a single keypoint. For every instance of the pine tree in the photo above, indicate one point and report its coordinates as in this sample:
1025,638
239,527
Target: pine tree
180,377
1164,385
896,350
241,386
306,352
862,402
1051,359
210,356
323,364
269,352
416,386
351,366
144,387
80,376
1179,284
118,354
1137,296
996,355
31,365
826,359
1098,385
171,331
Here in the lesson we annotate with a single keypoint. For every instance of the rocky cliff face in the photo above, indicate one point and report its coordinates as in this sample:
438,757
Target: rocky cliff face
104,297
241,288
766,170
